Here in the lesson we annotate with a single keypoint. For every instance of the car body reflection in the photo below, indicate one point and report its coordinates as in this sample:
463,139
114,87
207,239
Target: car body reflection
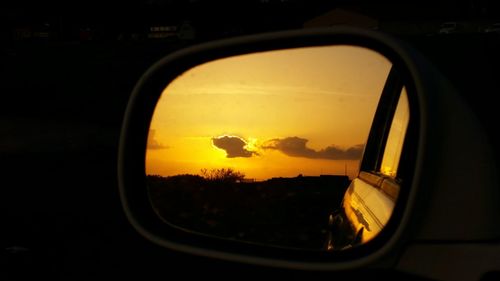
365,210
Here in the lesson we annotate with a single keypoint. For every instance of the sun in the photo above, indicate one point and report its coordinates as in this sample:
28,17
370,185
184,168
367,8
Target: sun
252,144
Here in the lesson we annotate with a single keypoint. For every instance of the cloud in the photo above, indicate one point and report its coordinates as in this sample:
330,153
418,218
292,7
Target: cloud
297,147
153,143
234,146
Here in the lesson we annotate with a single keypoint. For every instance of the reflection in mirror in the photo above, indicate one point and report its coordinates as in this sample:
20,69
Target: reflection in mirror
395,140
369,200
262,147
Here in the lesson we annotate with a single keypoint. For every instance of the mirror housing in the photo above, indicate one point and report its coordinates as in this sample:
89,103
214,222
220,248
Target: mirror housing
445,177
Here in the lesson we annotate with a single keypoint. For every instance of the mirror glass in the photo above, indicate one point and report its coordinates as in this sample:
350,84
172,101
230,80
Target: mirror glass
369,201
395,139
262,148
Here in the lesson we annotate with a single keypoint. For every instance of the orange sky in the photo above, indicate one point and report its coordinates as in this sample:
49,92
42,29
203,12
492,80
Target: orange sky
271,114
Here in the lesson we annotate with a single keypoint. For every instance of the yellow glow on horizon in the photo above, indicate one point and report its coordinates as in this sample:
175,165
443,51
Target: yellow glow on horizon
324,97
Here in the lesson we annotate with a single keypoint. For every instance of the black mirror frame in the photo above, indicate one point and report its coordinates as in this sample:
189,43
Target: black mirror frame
382,250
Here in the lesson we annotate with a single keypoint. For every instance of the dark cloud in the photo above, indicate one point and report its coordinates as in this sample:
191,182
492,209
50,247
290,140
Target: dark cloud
234,146
153,143
297,147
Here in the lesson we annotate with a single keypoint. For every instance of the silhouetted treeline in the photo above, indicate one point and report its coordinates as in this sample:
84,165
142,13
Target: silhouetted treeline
289,212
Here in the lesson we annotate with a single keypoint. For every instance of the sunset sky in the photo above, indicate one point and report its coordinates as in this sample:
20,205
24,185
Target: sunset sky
271,114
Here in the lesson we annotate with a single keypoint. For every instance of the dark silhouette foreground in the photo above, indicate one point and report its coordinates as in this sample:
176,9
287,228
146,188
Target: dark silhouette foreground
289,212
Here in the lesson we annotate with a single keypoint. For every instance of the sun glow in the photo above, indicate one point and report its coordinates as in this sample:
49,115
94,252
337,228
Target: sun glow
281,113
388,171
252,144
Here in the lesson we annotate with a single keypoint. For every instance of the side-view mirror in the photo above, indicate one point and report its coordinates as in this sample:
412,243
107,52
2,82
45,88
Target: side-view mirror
327,149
